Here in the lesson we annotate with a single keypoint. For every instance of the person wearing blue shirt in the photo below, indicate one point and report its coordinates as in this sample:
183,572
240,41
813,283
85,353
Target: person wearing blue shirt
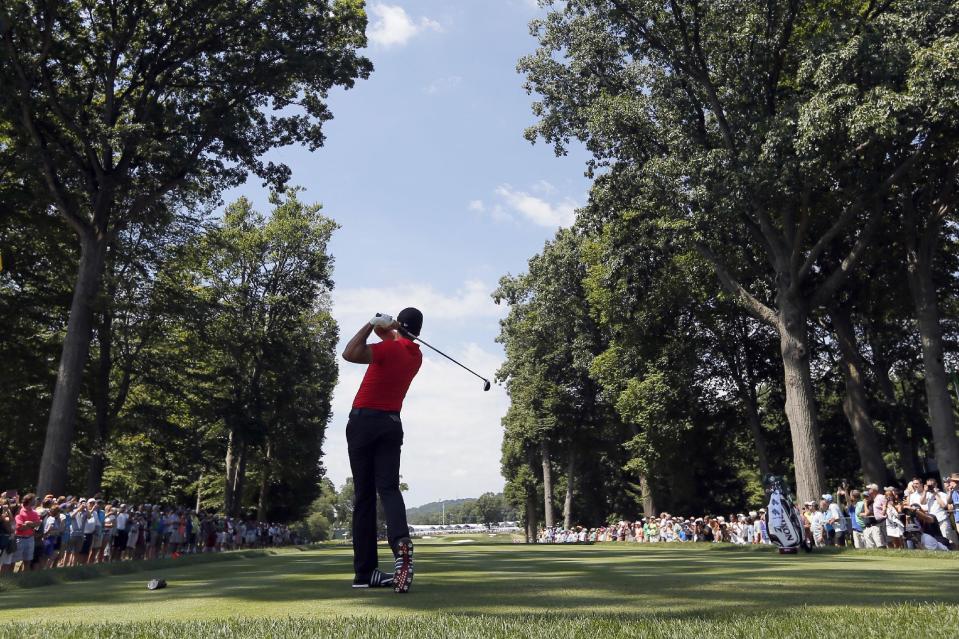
855,524
952,487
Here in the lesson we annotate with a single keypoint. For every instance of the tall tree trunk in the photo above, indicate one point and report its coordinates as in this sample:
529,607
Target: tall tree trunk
531,517
199,493
264,483
919,258
756,429
76,347
649,505
800,397
570,477
895,417
855,404
101,426
232,448
547,486
239,482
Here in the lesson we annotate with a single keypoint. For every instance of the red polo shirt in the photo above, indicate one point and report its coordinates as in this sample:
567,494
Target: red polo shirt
388,377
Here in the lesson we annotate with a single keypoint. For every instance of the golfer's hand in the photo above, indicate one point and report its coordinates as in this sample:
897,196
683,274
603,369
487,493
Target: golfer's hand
382,320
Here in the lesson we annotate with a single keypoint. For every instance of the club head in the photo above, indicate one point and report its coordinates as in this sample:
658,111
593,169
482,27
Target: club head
486,385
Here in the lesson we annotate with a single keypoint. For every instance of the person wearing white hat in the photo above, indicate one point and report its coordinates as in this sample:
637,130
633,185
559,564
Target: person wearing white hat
835,519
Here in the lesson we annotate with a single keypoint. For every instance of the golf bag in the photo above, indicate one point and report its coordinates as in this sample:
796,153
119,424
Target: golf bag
784,526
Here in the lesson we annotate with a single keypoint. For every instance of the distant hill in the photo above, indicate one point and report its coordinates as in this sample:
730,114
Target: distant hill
488,507
435,507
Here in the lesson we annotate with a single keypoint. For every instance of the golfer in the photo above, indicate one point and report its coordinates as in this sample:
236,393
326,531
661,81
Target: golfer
374,436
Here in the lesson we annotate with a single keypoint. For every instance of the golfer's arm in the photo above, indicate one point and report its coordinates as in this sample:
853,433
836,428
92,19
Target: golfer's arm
357,350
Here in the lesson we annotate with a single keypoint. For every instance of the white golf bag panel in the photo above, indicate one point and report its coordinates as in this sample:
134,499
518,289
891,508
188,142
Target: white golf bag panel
785,529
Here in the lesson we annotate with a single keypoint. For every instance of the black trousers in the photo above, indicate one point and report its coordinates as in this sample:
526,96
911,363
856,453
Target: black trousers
374,439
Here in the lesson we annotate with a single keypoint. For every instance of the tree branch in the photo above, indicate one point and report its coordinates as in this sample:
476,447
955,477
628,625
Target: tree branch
57,191
850,213
834,282
747,299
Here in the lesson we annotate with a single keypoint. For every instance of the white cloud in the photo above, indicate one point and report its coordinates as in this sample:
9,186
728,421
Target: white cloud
477,205
544,186
442,85
391,25
471,301
536,209
500,214
452,430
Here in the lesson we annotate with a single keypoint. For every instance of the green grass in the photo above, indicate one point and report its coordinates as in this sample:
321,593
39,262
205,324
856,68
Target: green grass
501,590
93,571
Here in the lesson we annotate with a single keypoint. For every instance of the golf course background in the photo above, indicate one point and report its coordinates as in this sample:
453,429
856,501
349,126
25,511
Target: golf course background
493,590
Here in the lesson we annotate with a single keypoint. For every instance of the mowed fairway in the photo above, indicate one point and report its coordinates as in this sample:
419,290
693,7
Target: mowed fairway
505,590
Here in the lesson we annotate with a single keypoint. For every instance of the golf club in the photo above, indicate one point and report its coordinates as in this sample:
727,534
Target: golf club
486,384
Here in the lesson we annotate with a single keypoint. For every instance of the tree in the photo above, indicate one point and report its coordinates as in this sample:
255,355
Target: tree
123,105
129,318
263,286
550,341
855,403
236,346
927,205
760,133
322,513
36,251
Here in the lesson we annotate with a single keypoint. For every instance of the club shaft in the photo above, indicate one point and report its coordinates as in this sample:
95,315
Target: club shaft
450,358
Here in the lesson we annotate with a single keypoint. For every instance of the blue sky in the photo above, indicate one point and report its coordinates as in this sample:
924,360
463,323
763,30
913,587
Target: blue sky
438,195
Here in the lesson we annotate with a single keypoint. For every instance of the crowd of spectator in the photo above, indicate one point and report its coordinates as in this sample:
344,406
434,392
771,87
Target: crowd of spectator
56,532
921,516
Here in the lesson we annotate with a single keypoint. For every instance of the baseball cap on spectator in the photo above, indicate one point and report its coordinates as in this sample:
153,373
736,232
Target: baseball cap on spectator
827,497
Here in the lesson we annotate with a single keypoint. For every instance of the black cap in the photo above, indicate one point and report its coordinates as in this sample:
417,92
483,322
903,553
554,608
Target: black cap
411,320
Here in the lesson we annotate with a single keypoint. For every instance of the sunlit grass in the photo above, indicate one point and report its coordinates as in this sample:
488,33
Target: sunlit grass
500,590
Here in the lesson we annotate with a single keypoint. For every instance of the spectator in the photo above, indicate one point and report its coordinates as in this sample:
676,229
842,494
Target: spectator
836,521
856,521
936,503
914,492
916,538
8,541
96,553
817,527
26,524
807,530
952,488
109,531
52,534
895,529
121,533
91,528
879,513
78,525
871,532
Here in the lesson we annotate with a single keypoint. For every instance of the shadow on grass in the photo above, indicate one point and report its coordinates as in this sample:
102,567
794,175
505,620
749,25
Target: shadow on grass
38,578
666,582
